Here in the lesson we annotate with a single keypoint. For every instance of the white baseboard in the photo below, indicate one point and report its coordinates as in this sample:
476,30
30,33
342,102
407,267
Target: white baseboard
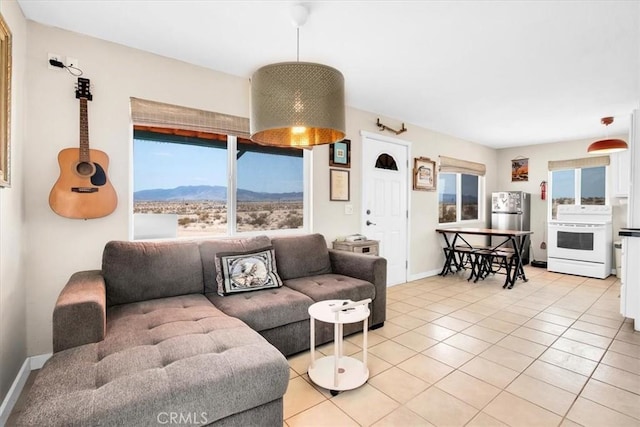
424,275
14,392
38,361
30,364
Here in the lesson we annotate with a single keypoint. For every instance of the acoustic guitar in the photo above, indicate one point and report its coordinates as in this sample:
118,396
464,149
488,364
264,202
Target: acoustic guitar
83,189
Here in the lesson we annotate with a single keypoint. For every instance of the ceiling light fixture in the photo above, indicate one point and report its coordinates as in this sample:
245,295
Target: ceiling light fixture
606,146
297,104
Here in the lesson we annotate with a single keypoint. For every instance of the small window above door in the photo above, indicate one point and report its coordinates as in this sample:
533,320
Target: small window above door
386,161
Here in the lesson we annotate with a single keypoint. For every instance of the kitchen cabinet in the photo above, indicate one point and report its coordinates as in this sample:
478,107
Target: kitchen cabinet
620,173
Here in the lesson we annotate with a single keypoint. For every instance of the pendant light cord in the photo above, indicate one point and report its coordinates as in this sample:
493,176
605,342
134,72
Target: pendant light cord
297,44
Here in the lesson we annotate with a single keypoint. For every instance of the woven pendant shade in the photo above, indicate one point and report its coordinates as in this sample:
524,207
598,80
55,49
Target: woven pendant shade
297,104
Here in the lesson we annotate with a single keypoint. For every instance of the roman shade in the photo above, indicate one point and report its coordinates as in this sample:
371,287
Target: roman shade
586,162
159,114
453,165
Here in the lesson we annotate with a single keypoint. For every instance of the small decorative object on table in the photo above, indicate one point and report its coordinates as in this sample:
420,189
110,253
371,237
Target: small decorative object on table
339,372
368,247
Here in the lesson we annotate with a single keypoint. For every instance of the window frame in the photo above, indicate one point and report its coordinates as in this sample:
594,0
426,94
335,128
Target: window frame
231,231
577,188
481,194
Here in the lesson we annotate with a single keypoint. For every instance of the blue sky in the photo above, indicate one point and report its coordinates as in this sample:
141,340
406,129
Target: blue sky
170,165
593,183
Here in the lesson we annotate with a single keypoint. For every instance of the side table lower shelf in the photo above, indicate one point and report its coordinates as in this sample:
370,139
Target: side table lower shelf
352,373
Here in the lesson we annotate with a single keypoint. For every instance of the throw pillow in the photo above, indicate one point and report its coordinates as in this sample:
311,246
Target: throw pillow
246,271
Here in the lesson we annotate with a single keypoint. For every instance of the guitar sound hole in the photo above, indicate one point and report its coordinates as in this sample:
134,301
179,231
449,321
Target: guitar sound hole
85,169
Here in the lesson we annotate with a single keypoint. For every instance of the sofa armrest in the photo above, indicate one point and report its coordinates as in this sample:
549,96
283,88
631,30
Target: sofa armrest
365,267
79,316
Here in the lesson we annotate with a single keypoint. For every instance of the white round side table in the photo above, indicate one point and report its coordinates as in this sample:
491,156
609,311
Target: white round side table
339,372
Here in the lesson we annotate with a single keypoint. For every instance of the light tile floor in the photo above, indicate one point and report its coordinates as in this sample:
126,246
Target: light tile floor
552,351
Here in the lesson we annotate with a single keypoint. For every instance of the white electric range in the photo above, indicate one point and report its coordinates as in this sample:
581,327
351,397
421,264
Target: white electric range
580,241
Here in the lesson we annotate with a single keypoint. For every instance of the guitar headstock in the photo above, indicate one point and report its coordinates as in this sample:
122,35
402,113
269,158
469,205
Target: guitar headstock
83,89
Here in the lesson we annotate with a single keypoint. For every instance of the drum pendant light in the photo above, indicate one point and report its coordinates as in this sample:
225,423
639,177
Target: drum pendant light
606,146
297,104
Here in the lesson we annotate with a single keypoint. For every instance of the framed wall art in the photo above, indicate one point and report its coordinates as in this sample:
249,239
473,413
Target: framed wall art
340,154
424,174
339,185
520,170
5,98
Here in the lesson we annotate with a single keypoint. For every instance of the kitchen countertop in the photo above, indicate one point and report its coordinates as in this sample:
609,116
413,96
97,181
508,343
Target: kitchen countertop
629,232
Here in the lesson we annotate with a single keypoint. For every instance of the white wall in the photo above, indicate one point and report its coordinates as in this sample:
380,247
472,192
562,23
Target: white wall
60,246
13,331
539,156
425,243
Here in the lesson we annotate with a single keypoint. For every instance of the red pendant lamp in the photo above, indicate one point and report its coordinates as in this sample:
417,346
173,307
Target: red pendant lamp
606,146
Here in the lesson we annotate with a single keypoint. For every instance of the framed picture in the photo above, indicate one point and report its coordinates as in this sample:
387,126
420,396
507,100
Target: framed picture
520,170
340,154
424,174
5,98
339,185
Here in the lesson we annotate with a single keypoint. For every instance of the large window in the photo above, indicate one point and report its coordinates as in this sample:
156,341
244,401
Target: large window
186,186
579,186
458,197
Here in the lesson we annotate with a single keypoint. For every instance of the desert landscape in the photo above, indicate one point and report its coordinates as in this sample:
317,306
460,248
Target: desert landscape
207,217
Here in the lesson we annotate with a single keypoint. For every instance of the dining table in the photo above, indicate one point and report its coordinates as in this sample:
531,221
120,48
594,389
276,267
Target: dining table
512,240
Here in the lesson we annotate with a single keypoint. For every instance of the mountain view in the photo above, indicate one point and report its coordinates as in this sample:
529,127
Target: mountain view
202,209
214,193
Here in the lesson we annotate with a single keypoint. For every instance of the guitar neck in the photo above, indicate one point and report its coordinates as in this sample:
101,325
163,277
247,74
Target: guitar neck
84,131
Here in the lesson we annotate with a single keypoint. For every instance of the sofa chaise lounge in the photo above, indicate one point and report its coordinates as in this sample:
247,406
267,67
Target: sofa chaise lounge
148,339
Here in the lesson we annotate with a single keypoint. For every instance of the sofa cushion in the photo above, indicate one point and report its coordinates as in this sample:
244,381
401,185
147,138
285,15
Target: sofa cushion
138,271
265,309
215,368
246,271
209,248
332,286
301,256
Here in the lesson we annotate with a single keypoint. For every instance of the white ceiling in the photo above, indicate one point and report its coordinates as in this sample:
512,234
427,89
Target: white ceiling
500,73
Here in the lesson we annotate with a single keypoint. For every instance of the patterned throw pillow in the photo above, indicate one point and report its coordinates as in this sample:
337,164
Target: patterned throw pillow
247,271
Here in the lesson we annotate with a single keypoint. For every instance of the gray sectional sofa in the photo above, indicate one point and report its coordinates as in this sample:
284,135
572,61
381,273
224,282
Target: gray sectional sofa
148,340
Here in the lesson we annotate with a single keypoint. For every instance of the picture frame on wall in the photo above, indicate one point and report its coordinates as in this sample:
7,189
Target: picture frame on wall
5,98
339,185
424,174
520,170
340,154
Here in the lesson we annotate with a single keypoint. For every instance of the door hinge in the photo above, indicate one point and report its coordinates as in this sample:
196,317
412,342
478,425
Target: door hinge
406,264
407,214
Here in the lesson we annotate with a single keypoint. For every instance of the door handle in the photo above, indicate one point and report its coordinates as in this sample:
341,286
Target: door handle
370,223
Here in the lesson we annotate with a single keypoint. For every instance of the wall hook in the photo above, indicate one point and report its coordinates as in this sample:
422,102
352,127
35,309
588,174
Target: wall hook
384,127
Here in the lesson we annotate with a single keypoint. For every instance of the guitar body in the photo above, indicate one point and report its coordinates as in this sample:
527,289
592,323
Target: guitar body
83,189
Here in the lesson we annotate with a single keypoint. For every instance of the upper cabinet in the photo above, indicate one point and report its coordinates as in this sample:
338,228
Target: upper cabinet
621,173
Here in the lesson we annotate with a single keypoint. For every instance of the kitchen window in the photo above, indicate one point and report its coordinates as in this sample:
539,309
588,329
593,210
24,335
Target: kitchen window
577,186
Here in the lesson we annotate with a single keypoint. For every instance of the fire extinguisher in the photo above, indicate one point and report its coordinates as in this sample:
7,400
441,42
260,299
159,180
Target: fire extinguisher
543,190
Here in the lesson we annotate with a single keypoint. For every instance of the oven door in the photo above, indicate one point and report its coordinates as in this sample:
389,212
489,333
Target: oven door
578,241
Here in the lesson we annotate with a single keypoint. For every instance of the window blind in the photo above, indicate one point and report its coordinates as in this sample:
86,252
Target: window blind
453,165
586,162
159,114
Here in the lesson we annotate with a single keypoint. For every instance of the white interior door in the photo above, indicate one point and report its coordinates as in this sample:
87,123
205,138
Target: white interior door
385,186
